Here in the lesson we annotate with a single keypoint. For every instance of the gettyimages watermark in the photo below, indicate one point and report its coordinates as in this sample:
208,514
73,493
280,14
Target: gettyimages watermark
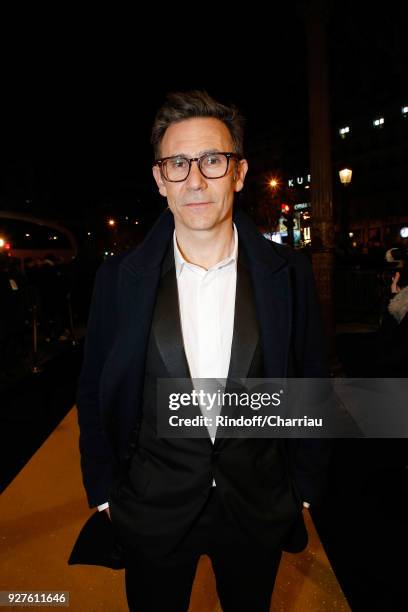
284,408
208,400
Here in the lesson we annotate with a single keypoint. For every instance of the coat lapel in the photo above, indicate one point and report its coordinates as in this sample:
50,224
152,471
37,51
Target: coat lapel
167,325
273,299
271,284
245,337
122,376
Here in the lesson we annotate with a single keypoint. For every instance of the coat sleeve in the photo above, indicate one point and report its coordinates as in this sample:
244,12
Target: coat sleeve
310,455
97,458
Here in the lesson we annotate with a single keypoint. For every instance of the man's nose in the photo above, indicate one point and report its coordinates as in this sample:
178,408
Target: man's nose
195,179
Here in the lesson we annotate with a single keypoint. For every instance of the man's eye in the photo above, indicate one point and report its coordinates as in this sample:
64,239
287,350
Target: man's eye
213,160
177,163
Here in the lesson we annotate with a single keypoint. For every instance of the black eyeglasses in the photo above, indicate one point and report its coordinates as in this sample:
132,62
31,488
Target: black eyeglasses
211,165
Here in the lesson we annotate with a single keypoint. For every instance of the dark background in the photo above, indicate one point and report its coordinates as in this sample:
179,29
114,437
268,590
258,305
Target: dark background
79,91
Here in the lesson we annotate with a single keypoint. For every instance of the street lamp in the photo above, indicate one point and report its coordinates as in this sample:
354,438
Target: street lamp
345,175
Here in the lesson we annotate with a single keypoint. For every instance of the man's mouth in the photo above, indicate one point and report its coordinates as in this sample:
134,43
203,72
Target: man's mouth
196,204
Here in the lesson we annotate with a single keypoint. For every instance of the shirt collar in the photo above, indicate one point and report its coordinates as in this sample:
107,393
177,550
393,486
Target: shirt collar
181,262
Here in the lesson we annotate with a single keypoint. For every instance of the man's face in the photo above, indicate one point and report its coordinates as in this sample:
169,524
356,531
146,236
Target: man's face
199,203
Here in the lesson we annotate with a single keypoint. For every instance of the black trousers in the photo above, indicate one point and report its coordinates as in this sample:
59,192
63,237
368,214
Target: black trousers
244,571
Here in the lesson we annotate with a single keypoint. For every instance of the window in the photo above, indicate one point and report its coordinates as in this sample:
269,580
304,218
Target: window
344,131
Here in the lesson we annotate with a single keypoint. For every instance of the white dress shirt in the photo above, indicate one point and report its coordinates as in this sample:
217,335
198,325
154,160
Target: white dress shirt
207,308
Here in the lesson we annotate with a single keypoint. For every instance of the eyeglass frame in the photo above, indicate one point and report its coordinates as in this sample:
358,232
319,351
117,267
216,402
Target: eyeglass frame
228,154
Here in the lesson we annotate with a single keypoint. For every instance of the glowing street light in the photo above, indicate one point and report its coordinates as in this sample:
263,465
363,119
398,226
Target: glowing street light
345,176
111,222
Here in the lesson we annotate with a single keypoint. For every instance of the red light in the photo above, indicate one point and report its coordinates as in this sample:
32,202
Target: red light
285,208
7,246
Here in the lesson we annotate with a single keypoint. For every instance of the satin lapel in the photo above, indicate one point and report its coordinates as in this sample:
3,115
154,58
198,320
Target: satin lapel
167,327
245,336
168,336
272,316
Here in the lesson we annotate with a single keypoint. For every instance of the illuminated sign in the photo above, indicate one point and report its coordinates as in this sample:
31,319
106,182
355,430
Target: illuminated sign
299,180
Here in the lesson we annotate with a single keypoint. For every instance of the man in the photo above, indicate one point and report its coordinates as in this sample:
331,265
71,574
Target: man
204,296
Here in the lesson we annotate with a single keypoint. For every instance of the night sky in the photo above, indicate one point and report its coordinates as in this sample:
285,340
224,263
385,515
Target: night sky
79,98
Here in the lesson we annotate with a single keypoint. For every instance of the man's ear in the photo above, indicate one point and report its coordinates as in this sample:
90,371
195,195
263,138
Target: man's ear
239,175
159,181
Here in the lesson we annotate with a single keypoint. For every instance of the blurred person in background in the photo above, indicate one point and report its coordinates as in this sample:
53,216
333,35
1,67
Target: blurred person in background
392,337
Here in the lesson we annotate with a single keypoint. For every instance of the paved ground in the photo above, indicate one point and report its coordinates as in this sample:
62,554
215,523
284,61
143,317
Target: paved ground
44,507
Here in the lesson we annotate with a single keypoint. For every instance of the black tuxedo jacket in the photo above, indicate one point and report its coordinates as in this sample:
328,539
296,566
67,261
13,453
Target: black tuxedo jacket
111,381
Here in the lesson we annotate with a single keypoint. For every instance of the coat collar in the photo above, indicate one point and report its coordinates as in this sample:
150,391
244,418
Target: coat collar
146,258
